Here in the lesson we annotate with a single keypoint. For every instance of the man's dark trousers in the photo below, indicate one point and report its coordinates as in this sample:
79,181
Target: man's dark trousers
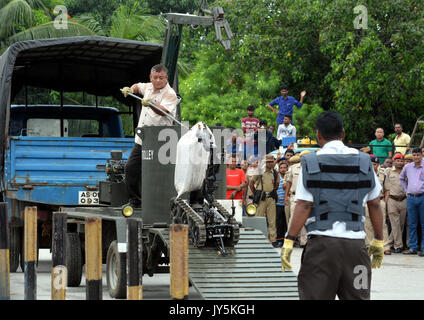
133,175
333,266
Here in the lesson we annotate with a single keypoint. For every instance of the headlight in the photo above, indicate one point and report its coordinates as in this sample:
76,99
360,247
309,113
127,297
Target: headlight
127,211
251,209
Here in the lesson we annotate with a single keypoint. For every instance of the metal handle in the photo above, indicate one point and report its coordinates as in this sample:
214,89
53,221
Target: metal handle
166,114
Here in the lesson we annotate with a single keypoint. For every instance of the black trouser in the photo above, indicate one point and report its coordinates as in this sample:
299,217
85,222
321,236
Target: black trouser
280,223
133,174
333,266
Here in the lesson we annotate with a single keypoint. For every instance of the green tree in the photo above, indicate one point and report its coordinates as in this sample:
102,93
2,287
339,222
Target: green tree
31,19
181,6
376,74
101,10
128,22
372,76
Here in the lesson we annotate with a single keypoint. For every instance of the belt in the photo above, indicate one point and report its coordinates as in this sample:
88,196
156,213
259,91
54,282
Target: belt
416,194
397,198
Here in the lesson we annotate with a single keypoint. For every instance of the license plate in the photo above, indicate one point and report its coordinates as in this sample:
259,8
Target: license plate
88,197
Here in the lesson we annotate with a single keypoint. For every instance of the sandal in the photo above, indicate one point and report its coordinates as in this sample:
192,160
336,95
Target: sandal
410,251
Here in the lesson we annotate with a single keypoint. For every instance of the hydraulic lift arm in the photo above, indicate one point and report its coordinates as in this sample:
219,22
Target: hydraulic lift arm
176,21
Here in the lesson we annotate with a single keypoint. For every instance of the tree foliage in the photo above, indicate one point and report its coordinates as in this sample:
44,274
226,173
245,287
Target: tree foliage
181,6
101,10
32,19
373,77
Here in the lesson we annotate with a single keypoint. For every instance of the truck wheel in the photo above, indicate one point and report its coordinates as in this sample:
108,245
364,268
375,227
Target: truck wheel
15,248
116,275
73,259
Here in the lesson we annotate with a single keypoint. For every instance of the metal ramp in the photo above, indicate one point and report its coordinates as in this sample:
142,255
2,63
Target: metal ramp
253,272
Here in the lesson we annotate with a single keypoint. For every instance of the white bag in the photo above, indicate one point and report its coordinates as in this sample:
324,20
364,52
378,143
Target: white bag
192,158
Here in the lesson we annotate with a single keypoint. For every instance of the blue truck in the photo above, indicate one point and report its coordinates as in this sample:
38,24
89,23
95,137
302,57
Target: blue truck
45,169
54,156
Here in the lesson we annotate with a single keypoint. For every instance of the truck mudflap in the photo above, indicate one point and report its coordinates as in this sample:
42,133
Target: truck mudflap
252,272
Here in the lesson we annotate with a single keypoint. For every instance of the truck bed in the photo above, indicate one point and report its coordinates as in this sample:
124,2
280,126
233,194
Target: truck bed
54,170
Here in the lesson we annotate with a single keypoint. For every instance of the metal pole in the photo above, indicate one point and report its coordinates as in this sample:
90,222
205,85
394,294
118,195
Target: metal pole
30,277
179,261
4,253
153,106
134,261
93,258
59,270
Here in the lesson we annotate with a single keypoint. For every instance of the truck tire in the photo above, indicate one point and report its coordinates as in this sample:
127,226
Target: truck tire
116,274
15,248
73,259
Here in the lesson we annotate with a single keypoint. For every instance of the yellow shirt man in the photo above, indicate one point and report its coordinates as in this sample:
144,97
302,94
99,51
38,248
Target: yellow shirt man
401,140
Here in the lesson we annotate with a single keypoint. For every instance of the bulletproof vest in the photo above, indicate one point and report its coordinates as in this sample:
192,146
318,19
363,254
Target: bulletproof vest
338,183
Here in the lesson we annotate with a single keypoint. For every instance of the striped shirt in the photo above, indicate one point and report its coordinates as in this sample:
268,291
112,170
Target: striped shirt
280,193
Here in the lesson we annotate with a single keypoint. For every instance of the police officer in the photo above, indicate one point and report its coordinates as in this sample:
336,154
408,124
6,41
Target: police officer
287,198
396,202
268,183
334,186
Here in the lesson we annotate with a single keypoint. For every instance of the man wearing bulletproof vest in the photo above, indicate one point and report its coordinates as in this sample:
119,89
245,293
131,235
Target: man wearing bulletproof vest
333,188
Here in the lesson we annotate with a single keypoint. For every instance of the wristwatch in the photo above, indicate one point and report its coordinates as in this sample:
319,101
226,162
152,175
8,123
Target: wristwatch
287,236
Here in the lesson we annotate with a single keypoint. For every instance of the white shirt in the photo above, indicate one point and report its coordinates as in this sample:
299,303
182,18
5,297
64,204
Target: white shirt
285,132
339,228
165,97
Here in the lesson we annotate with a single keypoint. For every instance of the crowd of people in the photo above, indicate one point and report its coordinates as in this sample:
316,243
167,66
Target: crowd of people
277,177
313,197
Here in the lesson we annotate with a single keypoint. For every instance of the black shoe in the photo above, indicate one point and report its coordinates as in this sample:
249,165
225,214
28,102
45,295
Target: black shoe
398,250
277,244
421,253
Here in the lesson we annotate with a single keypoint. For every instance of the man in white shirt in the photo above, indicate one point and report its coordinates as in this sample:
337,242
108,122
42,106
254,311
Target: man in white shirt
286,129
335,256
159,93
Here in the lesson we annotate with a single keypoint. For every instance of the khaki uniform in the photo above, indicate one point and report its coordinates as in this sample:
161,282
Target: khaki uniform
266,208
396,207
249,174
369,231
293,175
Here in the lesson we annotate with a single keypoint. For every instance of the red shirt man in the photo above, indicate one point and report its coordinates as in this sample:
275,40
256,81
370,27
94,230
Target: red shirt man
249,124
236,180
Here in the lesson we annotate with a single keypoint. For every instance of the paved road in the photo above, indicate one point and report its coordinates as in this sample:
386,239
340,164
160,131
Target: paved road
400,278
